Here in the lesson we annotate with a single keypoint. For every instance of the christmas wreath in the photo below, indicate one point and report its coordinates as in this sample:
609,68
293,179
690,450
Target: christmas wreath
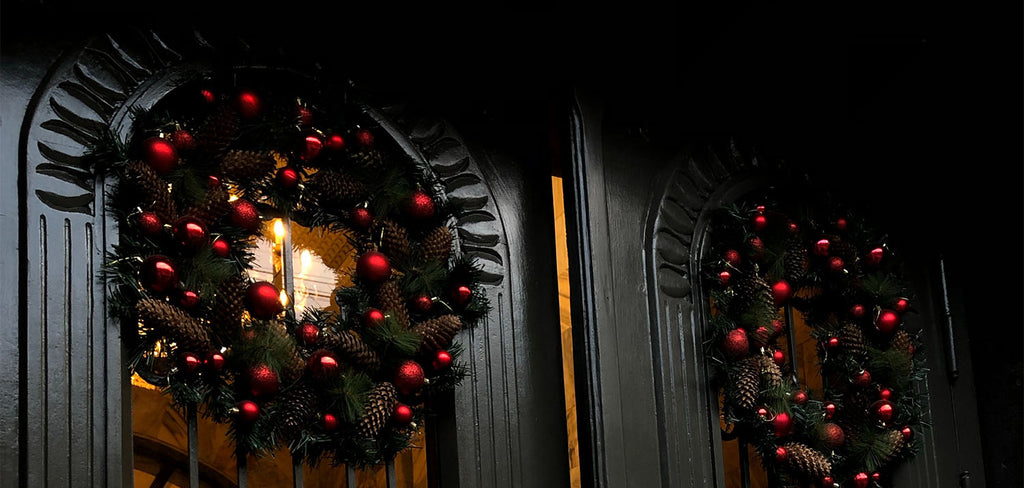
772,258
200,176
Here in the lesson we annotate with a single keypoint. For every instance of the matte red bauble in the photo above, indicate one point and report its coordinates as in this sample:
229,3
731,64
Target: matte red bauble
308,333
821,247
402,414
441,360
735,344
420,206
330,422
190,232
887,321
221,248
781,292
214,361
245,215
248,411
781,454
875,256
461,295
364,137
335,142
841,223
409,377
159,154
190,363
833,435
760,222
800,398
361,218
183,140
311,147
149,223
323,364
883,410
158,275
262,380
857,311
862,378
188,300
248,104
287,177
422,303
373,318
373,266
263,300
782,424
732,257
861,480
724,278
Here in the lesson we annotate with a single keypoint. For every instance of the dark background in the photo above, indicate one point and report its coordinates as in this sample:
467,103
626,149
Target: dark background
913,107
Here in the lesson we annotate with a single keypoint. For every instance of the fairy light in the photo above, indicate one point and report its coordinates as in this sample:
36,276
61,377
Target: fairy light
278,230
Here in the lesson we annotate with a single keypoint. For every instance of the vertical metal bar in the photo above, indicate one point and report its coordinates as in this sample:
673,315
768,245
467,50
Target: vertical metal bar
791,342
287,270
297,465
350,477
951,363
389,471
193,446
744,462
241,459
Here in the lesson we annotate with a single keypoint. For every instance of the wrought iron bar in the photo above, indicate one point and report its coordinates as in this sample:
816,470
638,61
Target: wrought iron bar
389,471
241,460
296,471
791,342
287,269
951,363
350,477
193,445
744,462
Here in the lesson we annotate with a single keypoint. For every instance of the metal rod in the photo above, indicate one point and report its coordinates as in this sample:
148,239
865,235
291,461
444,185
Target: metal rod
350,477
744,463
193,445
791,341
243,472
296,471
389,471
287,270
951,363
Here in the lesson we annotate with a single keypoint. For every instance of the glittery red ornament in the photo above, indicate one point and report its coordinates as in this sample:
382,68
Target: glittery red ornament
857,311
373,266
323,364
821,247
420,205
778,357
190,363
263,300
329,422
214,361
409,377
861,480
882,410
901,305
778,326
830,410
732,257
875,256
373,318
335,142
262,380
863,378
287,178
207,96
158,275
311,147
183,140
781,454
248,411
159,154
221,248
833,435
756,248
441,360
190,232
800,398
782,424
887,321
248,104
836,264
149,223
781,292
461,295
907,433
212,181
361,218
402,414
735,344
364,137
724,278
188,299
422,303
245,215
308,333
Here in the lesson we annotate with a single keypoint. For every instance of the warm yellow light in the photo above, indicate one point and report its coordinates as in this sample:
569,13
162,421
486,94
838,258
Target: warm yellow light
305,261
278,230
284,298
232,198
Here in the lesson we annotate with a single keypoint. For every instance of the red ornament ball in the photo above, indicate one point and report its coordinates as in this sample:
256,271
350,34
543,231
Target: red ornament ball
207,96
311,147
159,154
364,137
263,300
884,394
183,140
781,454
777,327
833,435
212,181
857,311
262,380
188,300
736,344
149,223
901,305
361,218
215,361
248,104
762,412
782,424
287,178
442,360
422,304
833,342
190,232
907,433
724,278
861,480
761,336
461,295
821,247
304,115
420,205
403,414
875,256
836,264
875,477
373,318
778,357
781,292
830,410
248,411
308,333
800,398
760,222
221,248
245,215
756,248
335,142
841,223
190,363
323,364
409,377
827,481
330,422
732,257
887,321
373,266
158,275
862,379
793,228
883,410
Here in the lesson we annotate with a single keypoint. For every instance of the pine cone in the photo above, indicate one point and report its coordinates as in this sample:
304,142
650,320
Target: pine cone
188,333
437,245
217,132
902,342
244,165
229,305
357,351
795,262
293,365
297,408
806,461
390,301
894,442
380,404
367,158
851,338
214,206
153,189
748,383
394,241
437,333
770,371
332,189
753,297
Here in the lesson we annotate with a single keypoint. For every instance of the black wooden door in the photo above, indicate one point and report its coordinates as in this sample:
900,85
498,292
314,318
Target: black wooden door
71,74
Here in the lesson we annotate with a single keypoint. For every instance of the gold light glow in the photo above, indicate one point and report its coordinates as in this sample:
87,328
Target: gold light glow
284,298
232,197
305,261
278,230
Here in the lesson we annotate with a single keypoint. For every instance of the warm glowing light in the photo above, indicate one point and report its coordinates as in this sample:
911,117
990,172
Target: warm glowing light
284,298
232,198
278,230
305,261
